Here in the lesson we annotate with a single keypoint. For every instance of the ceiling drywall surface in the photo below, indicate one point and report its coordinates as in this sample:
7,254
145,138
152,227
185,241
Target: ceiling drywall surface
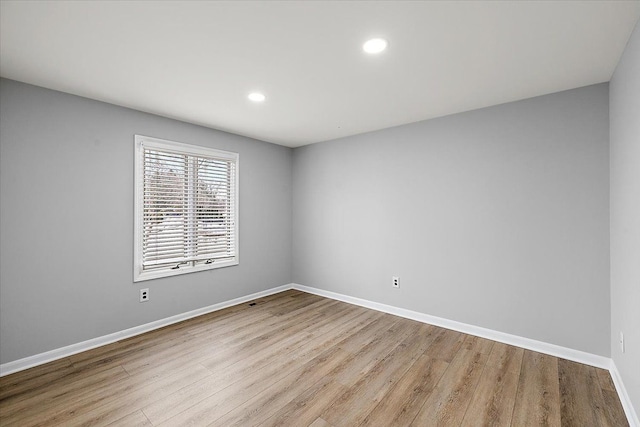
198,61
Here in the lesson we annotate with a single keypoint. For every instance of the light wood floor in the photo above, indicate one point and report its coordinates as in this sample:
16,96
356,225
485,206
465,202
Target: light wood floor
299,359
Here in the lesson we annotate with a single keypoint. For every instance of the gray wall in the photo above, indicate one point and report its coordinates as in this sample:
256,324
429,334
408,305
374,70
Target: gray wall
66,221
497,217
624,97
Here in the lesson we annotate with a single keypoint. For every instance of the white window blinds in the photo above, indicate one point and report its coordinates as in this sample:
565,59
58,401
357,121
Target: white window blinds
186,208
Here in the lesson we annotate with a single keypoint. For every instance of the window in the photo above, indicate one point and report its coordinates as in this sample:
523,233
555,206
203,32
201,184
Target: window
186,201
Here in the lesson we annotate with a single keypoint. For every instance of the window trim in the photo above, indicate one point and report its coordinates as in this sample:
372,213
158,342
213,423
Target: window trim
162,144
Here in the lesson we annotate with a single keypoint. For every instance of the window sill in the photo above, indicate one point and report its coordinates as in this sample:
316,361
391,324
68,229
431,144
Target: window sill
139,276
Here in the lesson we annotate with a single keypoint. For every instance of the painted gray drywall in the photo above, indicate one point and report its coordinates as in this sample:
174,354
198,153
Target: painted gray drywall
66,221
624,98
497,217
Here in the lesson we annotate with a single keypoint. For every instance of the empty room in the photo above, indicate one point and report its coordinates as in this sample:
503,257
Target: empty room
319,213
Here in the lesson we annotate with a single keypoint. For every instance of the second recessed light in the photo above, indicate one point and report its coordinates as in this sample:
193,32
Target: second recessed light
375,45
257,97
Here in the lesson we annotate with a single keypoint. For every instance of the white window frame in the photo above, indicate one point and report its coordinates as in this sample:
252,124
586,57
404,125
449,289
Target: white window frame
142,142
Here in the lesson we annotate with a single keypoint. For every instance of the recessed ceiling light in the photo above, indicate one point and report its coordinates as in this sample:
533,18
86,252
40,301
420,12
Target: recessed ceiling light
375,45
256,97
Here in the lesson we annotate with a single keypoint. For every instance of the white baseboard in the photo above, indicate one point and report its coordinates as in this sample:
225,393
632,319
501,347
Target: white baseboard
632,416
59,353
530,344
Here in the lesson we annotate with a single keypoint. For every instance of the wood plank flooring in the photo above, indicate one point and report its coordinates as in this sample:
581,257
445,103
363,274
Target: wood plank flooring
299,359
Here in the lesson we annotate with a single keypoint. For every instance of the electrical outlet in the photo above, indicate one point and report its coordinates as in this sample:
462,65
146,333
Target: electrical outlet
395,282
144,295
621,342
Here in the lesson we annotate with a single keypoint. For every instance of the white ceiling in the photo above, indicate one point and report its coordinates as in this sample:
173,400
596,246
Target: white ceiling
197,61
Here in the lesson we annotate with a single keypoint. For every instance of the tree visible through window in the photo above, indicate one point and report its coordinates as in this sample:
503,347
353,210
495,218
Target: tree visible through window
186,208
